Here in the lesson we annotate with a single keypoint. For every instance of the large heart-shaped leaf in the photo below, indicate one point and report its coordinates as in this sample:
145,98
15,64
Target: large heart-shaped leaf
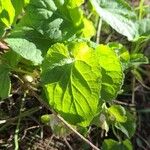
72,81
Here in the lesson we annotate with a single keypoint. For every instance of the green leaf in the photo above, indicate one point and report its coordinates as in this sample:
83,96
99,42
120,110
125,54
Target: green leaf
110,144
45,118
118,112
18,6
58,127
2,29
76,15
112,74
118,15
128,127
42,43
88,29
74,3
122,53
5,83
137,59
72,81
25,49
144,28
26,2
54,20
7,12
9,58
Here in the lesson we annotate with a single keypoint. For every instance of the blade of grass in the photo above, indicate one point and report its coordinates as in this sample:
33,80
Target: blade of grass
16,136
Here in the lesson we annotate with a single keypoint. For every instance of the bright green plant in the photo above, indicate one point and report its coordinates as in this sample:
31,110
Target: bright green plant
52,38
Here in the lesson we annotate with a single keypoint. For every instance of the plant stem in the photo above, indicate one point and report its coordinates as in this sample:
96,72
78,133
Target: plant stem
133,94
144,140
117,135
133,91
22,71
16,137
123,103
60,118
141,9
99,31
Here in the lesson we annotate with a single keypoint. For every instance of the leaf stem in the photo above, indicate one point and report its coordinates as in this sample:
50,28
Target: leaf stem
99,30
141,9
124,103
16,137
22,71
117,135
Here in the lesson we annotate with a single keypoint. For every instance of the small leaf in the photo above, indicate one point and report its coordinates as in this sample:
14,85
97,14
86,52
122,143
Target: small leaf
137,59
110,144
58,127
45,118
18,6
25,49
112,74
144,28
5,83
7,12
88,29
122,53
118,112
9,58
71,75
128,127
74,3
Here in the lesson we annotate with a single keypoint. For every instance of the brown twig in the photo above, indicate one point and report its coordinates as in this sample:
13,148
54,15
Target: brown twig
124,103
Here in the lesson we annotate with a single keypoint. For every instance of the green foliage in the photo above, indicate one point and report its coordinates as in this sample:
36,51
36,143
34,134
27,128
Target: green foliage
122,53
58,128
118,112
144,28
53,38
118,15
129,126
25,49
5,84
110,144
45,118
137,59
128,60
74,3
54,20
72,79
112,74
8,58
121,17
18,6
7,12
